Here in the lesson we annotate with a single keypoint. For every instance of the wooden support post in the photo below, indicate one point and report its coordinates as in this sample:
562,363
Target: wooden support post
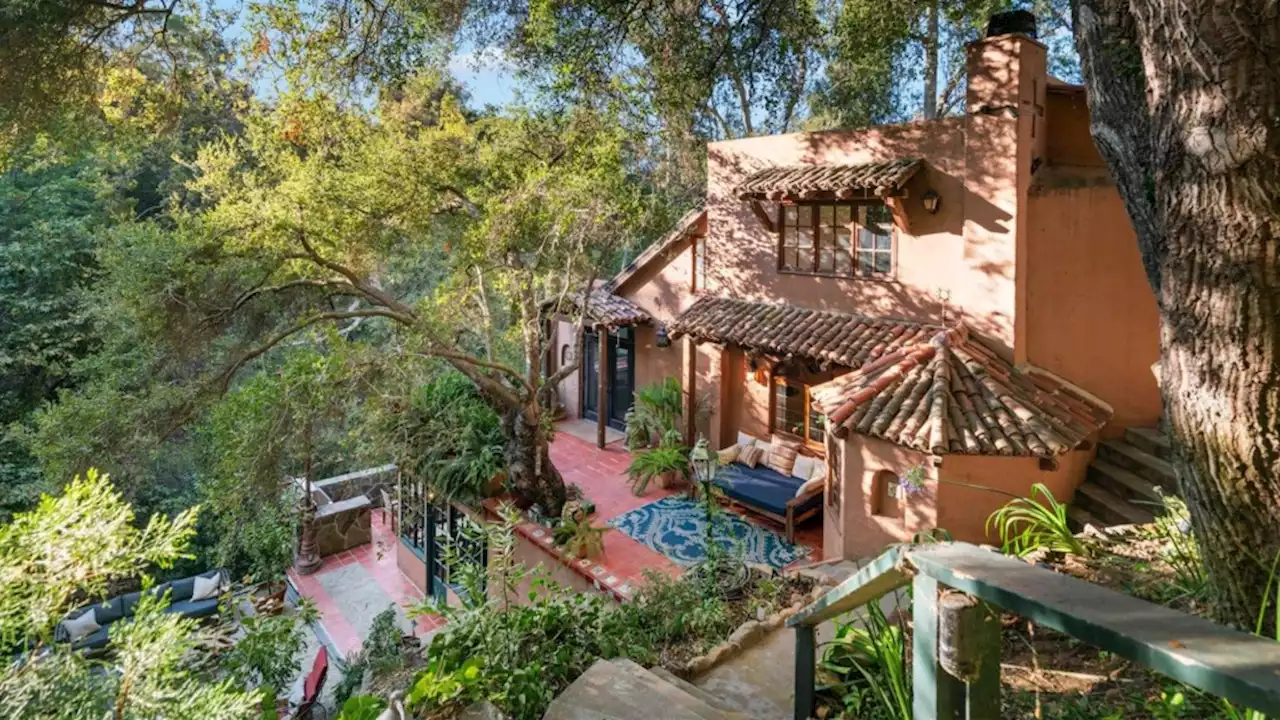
806,675
602,376
969,650
690,391
935,694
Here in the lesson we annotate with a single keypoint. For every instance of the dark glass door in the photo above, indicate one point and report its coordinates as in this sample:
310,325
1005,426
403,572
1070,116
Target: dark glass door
620,379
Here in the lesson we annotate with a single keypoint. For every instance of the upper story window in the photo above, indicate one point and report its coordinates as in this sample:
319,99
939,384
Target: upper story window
843,240
699,263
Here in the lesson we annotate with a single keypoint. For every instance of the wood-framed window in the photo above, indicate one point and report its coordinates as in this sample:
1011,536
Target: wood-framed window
795,414
819,239
699,263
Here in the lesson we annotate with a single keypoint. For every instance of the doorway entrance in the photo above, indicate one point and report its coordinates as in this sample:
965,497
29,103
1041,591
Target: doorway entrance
620,376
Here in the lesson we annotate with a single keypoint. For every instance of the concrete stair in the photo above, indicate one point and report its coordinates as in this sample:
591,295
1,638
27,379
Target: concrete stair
619,689
1125,481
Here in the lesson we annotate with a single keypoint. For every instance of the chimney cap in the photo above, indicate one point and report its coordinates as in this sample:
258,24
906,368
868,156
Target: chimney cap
1022,22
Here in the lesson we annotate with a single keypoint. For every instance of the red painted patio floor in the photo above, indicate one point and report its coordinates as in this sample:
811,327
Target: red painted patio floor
602,474
340,619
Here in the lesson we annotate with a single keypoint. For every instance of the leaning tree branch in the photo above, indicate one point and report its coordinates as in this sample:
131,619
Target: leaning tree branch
224,377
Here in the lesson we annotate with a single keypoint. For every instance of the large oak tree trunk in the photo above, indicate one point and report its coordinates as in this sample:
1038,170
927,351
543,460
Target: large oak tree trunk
533,476
1184,100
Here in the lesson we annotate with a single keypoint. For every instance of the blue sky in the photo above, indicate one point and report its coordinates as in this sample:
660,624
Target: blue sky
486,74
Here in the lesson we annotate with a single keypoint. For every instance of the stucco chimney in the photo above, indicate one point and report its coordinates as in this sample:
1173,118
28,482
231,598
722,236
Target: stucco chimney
1004,141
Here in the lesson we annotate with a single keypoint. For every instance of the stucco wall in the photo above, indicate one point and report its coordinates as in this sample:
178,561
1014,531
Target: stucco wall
1092,316
570,391
412,566
963,511
855,530
743,252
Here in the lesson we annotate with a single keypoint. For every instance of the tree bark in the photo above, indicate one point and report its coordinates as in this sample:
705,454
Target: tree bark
533,476
1185,99
931,62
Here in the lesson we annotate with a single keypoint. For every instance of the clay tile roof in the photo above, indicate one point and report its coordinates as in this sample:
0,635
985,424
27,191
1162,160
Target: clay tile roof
953,395
814,180
611,310
937,390
833,338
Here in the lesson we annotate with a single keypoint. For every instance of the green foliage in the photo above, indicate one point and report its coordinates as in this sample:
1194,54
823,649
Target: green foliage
1180,549
362,707
1026,525
657,410
449,437
519,656
73,546
67,551
669,457
578,538
435,687
381,652
867,662
266,656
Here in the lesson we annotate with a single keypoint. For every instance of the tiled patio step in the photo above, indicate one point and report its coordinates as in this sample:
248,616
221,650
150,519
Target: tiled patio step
1150,440
1108,507
1139,461
622,690
1128,485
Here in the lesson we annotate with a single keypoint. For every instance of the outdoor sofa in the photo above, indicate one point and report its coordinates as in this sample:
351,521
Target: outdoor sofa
184,598
788,499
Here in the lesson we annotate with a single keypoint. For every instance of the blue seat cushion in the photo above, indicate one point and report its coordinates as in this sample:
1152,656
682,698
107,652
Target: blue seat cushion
92,641
180,590
195,608
109,611
762,487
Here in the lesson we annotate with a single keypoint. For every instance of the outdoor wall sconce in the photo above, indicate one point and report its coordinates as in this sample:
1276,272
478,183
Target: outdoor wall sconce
661,338
931,202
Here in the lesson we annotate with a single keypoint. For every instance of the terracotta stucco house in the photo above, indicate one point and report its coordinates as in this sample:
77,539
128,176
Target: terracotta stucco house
958,301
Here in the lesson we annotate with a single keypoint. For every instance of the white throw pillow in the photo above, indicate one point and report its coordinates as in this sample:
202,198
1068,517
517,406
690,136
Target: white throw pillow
81,626
809,486
819,469
803,467
745,440
206,587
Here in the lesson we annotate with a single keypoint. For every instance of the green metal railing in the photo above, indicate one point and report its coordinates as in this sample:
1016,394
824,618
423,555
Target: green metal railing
956,665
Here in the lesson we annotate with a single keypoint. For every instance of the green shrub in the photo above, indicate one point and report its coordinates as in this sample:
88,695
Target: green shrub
1026,525
449,437
658,409
380,653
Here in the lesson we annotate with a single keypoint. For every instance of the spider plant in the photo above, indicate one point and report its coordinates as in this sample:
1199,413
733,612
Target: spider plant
1026,525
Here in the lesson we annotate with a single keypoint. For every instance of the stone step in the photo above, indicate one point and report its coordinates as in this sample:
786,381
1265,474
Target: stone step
694,690
1108,507
1128,485
622,690
1139,461
1151,440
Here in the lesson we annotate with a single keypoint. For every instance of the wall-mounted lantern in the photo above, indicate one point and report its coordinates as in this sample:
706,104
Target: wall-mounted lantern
661,338
931,202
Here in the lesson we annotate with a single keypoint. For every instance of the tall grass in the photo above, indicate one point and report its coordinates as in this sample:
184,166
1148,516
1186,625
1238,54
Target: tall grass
869,663
1026,525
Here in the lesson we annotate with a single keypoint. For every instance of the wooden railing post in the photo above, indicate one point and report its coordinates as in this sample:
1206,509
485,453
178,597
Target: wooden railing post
806,678
969,650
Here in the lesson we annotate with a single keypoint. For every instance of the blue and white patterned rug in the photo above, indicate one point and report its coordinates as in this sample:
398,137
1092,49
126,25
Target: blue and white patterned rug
676,526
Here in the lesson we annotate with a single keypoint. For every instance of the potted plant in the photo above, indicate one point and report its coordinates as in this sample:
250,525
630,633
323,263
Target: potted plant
575,534
667,463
